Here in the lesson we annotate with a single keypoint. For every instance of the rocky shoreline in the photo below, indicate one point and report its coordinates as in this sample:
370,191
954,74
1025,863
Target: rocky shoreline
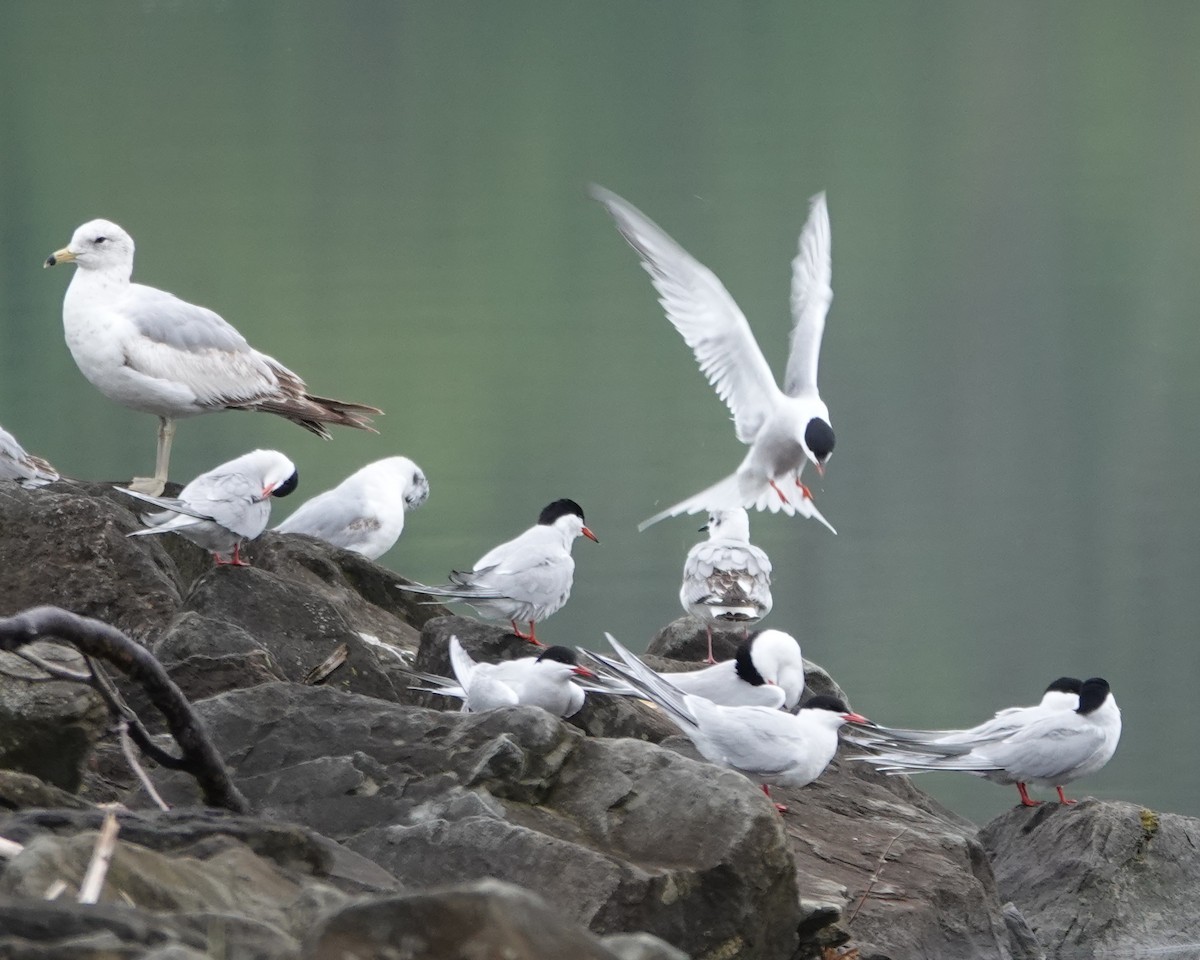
386,824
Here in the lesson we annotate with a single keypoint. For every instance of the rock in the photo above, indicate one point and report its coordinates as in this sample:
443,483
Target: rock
19,791
436,797
1099,877
483,919
48,727
66,545
641,946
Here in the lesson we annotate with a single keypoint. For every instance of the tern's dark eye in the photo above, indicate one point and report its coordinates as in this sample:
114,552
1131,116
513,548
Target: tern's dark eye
101,239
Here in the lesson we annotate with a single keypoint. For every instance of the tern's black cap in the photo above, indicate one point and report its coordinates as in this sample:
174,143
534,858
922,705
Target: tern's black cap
818,435
825,702
561,654
744,664
1065,685
288,485
559,508
1092,695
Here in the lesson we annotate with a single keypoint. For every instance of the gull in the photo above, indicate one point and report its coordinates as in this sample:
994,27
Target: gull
150,351
542,681
784,429
226,505
365,512
26,469
769,746
766,671
725,578
1055,749
524,579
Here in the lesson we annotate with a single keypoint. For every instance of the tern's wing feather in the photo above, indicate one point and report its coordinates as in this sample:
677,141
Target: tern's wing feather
812,293
461,663
702,310
173,504
630,669
1045,749
726,495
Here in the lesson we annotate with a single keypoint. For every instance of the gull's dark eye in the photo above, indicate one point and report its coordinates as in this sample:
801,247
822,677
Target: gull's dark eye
101,239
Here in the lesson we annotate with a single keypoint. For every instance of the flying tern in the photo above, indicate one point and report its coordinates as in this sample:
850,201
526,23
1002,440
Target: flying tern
525,579
365,512
226,505
150,351
784,429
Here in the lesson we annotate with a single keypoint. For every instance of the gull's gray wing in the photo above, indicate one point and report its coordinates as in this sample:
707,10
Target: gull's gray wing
701,309
812,293
188,344
334,518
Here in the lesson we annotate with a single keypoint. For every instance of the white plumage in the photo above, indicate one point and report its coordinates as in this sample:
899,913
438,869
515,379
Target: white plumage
225,505
365,512
24,468
783,428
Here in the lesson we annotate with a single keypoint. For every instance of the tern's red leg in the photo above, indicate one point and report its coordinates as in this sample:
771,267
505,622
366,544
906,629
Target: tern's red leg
804,491
1025,801
711,658
526,636
1062,798
778,491
781,807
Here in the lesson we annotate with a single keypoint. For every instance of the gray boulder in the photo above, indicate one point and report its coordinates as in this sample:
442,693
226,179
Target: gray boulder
616,835
1099,877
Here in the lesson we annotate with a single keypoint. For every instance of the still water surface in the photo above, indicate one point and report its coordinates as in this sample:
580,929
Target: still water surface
393,202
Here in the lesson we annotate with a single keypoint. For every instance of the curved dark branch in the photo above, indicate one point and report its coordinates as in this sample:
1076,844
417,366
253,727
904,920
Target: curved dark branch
96,639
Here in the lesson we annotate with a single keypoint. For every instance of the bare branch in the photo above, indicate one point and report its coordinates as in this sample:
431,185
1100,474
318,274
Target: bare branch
876,874
106,843
127,749
9,848
94,638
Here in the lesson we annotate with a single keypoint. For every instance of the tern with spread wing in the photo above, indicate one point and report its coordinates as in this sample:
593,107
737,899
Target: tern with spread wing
365,512
726,579
769,746
525,579
543,681
25,469
223,507
784,429
1055,749
150,351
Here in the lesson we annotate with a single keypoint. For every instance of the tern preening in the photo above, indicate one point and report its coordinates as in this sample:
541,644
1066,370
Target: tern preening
225,505
24,468
784,429
525,579
1053,748
766,671
726,579
543,681
768,745
365,512
150,351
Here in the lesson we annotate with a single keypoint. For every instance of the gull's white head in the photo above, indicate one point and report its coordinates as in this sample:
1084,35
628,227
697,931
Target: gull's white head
399,475
567,516
728,525
98,245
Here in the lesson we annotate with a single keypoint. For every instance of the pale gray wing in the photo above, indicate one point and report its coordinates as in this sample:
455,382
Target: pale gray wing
523,568
334,518
184,343
702,310
755,740
639,676
1045,749
812,293
16,464
721,684
234,500
169,504
461,663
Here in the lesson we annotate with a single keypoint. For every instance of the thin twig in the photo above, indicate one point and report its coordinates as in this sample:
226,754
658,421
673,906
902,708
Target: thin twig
56,672
102,683
55,890
9,848
102,853
127,749
875,875
320,673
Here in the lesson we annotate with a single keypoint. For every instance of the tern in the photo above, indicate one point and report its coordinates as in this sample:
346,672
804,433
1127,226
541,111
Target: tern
25,469
766,671
768,746
525,579
542,681
223,507
150,351
726,579
365,512
784,429
1055,749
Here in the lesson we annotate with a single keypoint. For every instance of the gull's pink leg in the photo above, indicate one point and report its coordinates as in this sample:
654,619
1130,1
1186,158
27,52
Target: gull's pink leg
1062,798
711,658
781,807
1025,801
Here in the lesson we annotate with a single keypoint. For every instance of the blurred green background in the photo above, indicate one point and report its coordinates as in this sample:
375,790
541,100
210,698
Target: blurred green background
391,199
